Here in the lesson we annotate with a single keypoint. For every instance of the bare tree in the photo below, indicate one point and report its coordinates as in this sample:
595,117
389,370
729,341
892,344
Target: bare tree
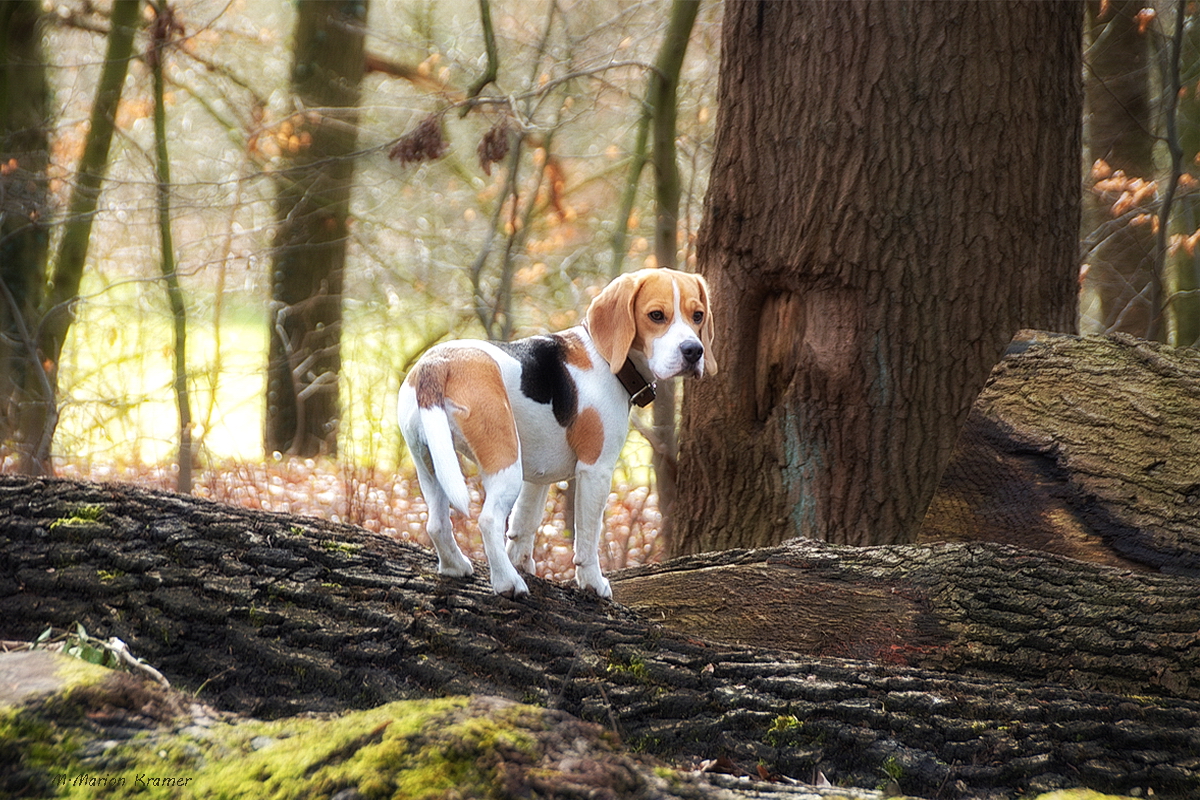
1119,284
24,225
658,117
38,403
312,217
164,30
1181,279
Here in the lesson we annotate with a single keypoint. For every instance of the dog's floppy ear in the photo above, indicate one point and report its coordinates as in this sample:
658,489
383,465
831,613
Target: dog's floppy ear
610,320
707,328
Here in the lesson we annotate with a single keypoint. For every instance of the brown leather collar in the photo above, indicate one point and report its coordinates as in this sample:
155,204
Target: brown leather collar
641,391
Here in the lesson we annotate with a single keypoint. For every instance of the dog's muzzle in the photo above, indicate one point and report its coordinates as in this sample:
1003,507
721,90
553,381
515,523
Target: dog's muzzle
692,352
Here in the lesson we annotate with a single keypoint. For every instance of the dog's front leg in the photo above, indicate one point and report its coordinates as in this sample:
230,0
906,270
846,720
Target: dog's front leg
591,497
523,525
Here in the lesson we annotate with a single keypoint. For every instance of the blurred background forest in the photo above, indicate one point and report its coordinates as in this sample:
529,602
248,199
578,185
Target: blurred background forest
456,168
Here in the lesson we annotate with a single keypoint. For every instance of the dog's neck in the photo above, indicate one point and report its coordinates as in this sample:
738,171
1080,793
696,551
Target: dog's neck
641,391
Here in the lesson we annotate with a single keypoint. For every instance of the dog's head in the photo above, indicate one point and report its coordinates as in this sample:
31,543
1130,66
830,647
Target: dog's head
658,316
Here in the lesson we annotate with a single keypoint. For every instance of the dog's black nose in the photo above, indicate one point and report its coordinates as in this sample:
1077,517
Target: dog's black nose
691,351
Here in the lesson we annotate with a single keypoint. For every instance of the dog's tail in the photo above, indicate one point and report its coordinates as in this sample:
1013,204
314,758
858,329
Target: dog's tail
440,441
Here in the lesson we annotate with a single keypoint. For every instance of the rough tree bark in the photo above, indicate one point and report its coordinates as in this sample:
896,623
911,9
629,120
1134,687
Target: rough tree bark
273,614
1088,447
938,607
312,230
895,192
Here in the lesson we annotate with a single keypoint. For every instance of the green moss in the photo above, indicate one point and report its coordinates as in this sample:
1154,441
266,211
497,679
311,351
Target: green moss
81,515
75,672
36,748
633,666
780,728
411,750
893,768
341,547
311,757
40,744
646,744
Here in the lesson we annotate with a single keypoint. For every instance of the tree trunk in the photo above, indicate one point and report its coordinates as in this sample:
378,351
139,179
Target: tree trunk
881,219
1119,283
39,410
663,104
941,607
24,228
1181,283
311,235
164,30
274,614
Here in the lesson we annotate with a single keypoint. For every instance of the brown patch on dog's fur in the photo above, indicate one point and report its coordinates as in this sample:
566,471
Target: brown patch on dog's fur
576,352
610,319
693,297
586,436
469,386
656,292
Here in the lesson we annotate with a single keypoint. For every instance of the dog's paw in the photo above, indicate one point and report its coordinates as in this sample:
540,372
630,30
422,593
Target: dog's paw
511,586
593,582
523,561
459,567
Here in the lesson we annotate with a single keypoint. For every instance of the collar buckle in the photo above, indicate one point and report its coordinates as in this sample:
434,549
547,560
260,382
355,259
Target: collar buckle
641,391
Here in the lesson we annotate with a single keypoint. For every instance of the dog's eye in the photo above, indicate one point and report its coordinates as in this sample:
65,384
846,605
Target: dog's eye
698,317
657,316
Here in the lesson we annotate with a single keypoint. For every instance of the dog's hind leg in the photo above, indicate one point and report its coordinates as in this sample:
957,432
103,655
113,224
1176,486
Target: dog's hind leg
523,525
501,492
451,561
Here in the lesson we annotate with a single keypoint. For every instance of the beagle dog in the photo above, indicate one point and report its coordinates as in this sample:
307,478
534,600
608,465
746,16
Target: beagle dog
545,409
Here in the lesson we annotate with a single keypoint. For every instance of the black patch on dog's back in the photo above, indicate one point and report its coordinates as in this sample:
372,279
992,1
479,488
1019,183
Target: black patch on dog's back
544,376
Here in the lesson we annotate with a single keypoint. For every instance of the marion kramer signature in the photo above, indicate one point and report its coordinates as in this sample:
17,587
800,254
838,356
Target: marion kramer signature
140,780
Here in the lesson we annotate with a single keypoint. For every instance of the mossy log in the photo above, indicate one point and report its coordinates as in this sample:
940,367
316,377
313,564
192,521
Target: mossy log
88,731
272,614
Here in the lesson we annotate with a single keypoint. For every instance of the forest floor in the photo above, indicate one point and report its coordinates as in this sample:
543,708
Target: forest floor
390,503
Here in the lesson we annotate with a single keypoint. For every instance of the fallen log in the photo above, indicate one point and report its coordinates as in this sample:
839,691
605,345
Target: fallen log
271,614
997,612
71,727
1085,446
